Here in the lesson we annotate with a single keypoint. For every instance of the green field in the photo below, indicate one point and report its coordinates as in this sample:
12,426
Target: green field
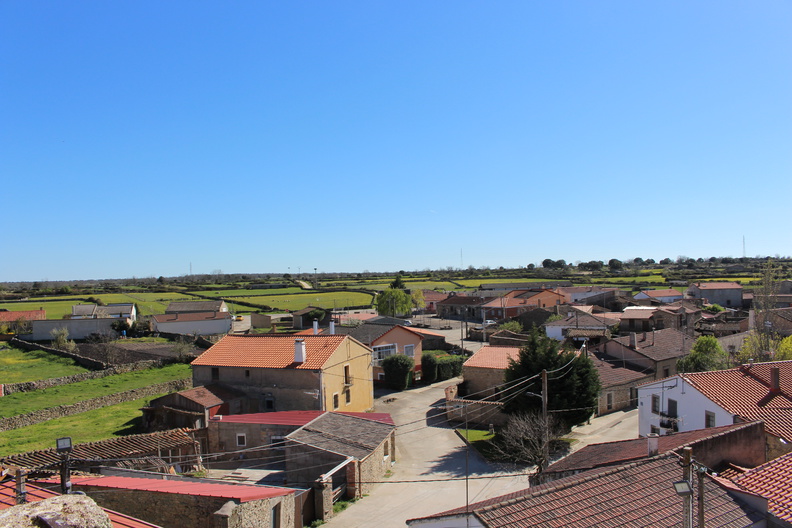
475,283
297,302
18,366
25,402
225,294
55,310
100,424
148,303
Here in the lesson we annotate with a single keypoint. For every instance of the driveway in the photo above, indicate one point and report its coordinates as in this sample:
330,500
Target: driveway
431,467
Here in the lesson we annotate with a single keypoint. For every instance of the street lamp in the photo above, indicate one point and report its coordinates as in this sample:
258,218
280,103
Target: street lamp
63,446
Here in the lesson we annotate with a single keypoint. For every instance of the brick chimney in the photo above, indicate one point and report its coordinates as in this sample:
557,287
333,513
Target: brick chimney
775,380
299,351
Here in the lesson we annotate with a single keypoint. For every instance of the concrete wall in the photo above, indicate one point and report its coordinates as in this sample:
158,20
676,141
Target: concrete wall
77,328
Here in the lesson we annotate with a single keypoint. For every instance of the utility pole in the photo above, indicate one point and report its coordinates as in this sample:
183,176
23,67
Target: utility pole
701,471
545,433
687,504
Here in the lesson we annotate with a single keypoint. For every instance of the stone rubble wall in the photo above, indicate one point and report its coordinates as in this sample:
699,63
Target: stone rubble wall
51,413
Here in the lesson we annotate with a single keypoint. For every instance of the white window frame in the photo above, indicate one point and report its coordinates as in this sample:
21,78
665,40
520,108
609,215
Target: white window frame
409,350
380,352
241,440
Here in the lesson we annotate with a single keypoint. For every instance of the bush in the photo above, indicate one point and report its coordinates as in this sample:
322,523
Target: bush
511,326
428,368
397,368
449,367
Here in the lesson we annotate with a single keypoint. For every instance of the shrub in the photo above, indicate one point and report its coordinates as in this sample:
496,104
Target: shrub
428,368
511,326
449,367
397,368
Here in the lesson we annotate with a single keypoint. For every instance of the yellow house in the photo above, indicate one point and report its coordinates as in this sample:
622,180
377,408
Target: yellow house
290,373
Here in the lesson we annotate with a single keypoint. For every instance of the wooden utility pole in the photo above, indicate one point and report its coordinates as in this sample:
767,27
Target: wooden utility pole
701,472
546,425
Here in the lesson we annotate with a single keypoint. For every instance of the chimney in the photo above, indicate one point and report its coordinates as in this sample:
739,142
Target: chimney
652,443
775,380
299,351
316,326
633,340
332,327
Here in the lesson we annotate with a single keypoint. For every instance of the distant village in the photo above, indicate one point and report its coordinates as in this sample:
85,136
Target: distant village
315,415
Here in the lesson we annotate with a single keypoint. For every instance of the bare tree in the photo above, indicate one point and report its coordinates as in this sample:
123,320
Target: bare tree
764,302
522,440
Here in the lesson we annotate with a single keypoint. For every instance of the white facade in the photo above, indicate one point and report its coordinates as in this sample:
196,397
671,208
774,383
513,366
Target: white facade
206,327
663,299
692,413
77,328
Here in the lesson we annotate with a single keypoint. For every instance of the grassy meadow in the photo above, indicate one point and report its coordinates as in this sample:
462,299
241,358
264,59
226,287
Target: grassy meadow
19,366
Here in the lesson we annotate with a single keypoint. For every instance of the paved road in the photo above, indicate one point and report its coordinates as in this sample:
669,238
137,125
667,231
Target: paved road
428,450
429,475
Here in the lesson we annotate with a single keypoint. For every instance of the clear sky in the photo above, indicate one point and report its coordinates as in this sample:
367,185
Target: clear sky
139,138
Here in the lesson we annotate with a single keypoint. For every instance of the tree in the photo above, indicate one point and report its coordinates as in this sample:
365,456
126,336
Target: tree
757,347
511,326
784,349
397,369
573,382
61,341
393,302
418,300
615,264
522,439
765,300
398,283
706,355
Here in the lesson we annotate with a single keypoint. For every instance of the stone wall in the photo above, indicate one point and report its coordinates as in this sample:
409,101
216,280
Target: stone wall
43,415
83,361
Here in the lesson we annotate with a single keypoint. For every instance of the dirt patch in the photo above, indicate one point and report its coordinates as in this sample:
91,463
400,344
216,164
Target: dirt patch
119,353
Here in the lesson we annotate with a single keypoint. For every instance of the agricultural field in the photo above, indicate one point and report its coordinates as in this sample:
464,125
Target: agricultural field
54,309
19,366
300,301
475,283
627,280
25,402
225,294
149,303
99,424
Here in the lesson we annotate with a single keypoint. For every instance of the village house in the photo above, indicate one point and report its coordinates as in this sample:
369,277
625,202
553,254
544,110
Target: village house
126,311
761,391
192,408
580,325
485,371
18,322
726,294
386,340
192,323
462,307
618,383
284,372
663,296
656,351
771,480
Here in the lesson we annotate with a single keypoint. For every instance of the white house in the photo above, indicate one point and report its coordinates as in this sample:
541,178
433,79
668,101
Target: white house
200,323
685,402
664,296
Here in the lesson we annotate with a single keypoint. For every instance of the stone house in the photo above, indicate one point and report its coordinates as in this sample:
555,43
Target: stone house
484,371
290,373
618,383
339,455
192,408
656,352
462,307
176,503
726,294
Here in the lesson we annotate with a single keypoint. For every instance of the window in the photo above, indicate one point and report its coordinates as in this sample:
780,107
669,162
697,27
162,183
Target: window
276,522
654,429
610,401
241,440
409,350
348,396
335,401
666,372
215,373
347,375
380,352
655,404
381,376
672,408
709,419
269,403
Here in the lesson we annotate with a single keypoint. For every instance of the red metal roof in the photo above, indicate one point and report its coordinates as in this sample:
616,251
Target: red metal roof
35,494
240,492
269,351
295,418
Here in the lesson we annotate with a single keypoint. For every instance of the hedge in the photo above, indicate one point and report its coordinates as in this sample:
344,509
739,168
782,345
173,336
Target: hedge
428,368
397,369
449,367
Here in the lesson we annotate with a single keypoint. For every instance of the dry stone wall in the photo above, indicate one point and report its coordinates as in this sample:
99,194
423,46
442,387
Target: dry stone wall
43,415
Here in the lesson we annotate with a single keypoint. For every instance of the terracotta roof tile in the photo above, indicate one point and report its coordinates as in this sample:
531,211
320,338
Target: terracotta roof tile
660,344
269,351
614,372
745,391
772,481
28,315
494,357
640,494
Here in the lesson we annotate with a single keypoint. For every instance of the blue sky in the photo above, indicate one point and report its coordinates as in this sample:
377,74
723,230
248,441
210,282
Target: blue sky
138,138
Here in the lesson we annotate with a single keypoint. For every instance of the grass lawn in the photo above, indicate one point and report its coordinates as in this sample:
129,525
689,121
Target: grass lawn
225,294
100,424
481,441
24,402
17,366
54,309
300,301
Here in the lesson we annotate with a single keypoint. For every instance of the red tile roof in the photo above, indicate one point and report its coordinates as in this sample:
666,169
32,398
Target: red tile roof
772,481
620,452
239,492
662,293
640,494
28,315
660,344
718,285
745,391
494,357
295,418
269,351
612,371
35,494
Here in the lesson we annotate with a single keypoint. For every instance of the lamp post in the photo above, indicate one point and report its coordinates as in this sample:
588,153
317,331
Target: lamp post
64,447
